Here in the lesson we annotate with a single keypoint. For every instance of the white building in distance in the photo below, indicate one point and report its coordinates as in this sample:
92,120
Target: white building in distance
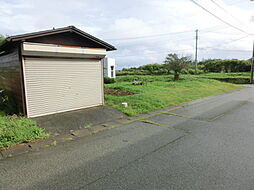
109,67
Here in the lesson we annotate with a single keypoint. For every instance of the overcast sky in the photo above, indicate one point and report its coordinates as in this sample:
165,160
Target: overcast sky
143,31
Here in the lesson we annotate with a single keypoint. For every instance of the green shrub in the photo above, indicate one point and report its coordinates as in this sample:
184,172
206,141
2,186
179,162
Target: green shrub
7,103
194,72
108,80
209,65
144,78
176,63
185,71
226,65
15,130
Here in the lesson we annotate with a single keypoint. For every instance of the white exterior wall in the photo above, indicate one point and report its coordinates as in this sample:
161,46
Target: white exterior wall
108,64
35,49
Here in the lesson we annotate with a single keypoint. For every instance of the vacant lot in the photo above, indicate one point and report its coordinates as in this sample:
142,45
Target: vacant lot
161,91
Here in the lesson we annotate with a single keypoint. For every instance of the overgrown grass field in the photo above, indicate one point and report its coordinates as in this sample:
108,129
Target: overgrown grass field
225,75
16,130
162,91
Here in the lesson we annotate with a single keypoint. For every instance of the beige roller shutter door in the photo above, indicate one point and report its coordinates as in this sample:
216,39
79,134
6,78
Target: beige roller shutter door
56,85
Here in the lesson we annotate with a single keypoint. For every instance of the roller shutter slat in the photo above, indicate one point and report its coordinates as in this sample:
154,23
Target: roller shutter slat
56,85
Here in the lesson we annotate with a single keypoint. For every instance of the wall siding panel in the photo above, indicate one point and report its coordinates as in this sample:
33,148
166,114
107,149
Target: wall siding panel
10,75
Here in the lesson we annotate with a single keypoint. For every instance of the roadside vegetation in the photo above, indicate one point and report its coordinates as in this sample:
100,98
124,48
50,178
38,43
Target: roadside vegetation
15,129
160,91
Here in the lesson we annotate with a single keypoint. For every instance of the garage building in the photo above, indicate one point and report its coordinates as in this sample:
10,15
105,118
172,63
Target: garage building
53,71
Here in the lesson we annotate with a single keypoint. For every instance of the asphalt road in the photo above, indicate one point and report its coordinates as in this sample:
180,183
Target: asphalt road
208,144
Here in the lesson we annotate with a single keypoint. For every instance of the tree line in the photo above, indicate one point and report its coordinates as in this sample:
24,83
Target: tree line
175,64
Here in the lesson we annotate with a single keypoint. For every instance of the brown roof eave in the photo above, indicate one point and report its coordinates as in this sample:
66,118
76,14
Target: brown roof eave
17,38
80,32
57,31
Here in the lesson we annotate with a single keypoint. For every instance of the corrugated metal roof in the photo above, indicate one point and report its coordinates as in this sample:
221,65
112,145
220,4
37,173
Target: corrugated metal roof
21,37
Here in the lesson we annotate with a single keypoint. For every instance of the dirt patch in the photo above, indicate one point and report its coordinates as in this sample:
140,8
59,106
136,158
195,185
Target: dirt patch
115,92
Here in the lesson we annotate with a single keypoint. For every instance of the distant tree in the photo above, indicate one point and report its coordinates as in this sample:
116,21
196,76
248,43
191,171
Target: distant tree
175,63
225,65
153,69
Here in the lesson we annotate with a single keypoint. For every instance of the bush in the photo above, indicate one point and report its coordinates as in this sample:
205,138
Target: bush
184,71
226,65
175,63
134,72
7,103
194,72
209,65
15,130
108,80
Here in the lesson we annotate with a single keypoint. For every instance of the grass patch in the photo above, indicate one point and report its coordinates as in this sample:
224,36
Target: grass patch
162,91
236,78
225,75
88,126
16,130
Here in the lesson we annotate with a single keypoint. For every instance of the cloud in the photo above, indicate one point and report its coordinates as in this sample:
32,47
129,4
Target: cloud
119,21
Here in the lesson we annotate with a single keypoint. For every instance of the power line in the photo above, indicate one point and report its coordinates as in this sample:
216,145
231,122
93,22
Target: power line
226,11
202,48
223,33
232,50
237,2
235,40
162,34
211,48
213,27
175,33
188,39
155,53
222,8
182,50
149,36
231,41
156,42
225,22
175,39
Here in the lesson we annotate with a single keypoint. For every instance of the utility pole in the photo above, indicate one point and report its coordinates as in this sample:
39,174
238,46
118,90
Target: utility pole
252,63
196,53
252,66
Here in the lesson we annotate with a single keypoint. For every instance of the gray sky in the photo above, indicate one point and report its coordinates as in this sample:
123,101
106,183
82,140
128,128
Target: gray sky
143,31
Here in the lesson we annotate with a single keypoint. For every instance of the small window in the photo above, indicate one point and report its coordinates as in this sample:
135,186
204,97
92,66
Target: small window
112,71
